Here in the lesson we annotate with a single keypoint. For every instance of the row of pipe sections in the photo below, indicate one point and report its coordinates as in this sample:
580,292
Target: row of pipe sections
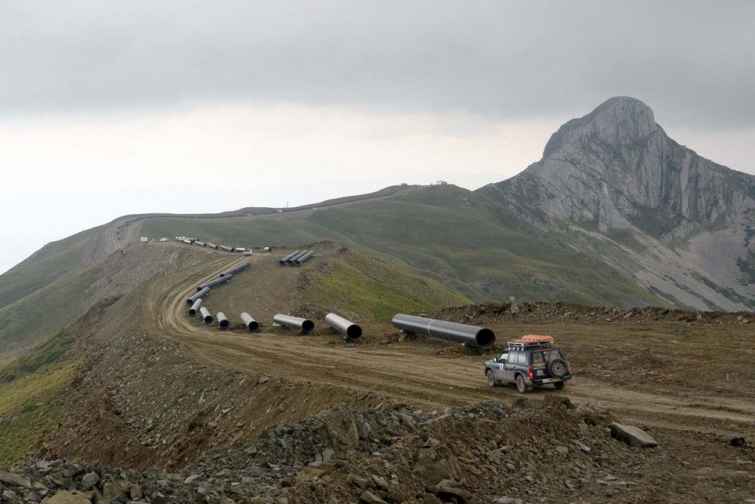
193,241
296,258
223,321
470,335
348,329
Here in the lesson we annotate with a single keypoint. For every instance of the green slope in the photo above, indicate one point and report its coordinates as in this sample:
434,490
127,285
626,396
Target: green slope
454,236
473,246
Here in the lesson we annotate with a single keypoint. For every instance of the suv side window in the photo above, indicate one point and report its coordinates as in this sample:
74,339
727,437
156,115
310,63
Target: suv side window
521,358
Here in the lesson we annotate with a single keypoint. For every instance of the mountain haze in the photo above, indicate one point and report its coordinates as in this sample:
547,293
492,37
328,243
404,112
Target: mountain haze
615,212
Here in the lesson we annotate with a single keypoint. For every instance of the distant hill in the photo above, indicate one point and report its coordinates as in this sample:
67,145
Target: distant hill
615,213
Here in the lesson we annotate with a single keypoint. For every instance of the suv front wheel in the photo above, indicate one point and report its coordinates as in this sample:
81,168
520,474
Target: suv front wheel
491,379
521,385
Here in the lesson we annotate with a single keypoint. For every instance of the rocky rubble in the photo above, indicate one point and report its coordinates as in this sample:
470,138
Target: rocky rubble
539,311
535,451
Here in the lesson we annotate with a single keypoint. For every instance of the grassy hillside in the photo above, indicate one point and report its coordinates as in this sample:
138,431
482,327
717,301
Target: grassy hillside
452,235
473,247
28,387
366,287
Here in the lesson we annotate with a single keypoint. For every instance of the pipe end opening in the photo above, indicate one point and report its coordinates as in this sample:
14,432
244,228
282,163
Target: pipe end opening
253,326
354,332
307,326
485,338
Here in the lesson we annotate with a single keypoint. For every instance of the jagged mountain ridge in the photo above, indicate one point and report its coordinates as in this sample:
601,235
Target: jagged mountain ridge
616,175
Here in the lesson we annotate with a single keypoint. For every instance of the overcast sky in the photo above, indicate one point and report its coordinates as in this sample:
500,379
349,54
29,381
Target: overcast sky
109,108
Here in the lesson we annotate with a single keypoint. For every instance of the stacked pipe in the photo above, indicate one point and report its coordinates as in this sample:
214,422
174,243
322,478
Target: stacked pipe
304,258
303,325
350,330
452,331
249,322
284,260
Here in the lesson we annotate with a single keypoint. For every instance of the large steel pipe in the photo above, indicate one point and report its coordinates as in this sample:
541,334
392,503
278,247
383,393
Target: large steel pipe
349,329
223,321
199,294
206,315
236,269
195,307
249,322
214,282
452,331
304,258
284,260
304,325
292,260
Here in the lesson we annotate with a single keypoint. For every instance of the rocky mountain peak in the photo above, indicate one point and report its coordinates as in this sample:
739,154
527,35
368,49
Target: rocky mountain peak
618,121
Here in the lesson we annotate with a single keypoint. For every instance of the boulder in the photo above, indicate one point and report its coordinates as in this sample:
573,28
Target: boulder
447,489
633,436
89,480
370,498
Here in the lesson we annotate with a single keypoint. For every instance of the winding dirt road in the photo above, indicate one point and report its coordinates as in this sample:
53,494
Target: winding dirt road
411,372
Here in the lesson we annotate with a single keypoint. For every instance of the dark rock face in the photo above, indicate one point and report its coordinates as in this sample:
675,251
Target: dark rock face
617,173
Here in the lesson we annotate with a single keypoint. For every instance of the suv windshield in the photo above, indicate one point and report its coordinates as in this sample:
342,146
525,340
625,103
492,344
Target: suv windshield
540,359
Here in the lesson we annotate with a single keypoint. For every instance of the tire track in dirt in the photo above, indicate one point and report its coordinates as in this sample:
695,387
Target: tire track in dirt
407,371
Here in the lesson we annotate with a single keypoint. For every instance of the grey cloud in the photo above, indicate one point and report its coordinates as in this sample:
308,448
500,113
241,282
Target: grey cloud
693,62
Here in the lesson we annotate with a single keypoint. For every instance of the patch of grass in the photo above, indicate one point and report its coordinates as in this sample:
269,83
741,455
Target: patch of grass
376,288
41,357
28,410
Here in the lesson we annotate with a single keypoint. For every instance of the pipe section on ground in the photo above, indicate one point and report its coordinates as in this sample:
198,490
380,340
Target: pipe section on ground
214,282
295,256
195,307
285,259
223,321
249,322
236,269
305,326
199,294
350,330
206,315
304,258
442,329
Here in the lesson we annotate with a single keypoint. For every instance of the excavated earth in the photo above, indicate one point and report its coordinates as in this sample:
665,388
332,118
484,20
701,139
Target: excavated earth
164,409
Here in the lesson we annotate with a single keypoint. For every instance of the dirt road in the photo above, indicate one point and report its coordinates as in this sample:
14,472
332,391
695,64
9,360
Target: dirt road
411,371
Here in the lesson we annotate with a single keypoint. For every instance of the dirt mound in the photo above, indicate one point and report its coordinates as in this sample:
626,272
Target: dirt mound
540,312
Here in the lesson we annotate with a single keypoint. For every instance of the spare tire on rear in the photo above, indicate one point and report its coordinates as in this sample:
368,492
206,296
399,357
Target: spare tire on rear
558,368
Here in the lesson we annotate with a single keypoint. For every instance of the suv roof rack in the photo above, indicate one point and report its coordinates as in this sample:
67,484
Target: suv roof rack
522,345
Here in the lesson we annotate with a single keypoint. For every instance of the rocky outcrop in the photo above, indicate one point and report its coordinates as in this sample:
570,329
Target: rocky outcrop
681,224
616,168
